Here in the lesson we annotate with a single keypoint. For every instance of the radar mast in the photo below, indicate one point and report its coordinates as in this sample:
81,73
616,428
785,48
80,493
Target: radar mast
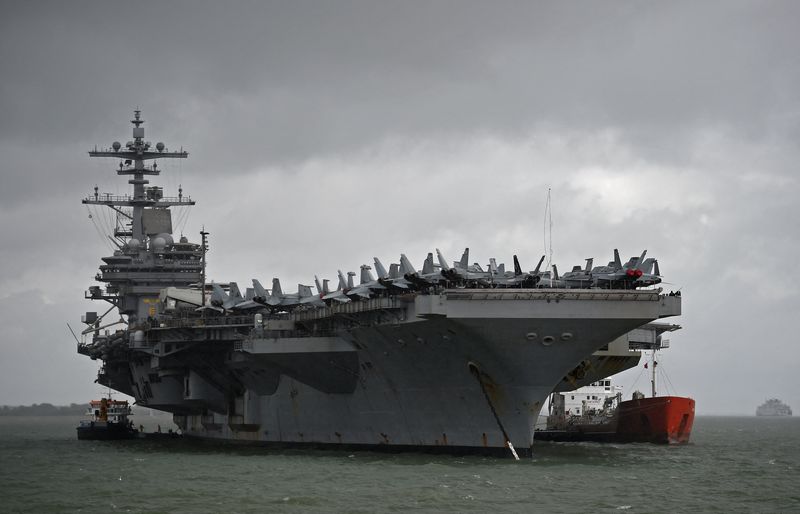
132,162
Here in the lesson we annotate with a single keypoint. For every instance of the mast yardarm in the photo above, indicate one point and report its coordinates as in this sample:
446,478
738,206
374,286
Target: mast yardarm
132,158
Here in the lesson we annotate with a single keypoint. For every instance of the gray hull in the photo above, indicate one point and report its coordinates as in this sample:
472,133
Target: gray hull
460,371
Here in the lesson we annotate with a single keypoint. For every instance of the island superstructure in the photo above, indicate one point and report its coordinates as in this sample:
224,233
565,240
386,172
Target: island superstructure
447,358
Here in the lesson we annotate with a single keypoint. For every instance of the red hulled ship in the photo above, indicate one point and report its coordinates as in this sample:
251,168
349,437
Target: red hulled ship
597,413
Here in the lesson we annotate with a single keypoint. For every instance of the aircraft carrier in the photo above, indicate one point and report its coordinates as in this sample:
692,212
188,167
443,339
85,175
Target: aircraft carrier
448,358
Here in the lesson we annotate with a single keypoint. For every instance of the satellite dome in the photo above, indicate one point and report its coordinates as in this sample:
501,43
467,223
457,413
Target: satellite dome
116,146
157,244
167,238
160,146
134,243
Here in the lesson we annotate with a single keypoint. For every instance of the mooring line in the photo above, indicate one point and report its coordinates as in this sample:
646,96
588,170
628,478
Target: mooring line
477,373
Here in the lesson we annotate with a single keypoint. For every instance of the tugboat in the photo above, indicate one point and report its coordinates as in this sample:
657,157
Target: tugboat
658,419
108,420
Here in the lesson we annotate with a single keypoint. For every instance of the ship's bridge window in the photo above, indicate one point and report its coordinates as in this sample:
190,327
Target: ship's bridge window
572,397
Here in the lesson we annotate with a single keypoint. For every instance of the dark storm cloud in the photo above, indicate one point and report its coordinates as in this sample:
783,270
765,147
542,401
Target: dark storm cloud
292,78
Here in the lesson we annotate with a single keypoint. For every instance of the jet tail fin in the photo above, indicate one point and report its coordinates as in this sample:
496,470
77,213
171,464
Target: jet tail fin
304,291
464,262
589,263
555,272
276,288
640,262
316,283
517,267
379,269
234,290
427,266
442,260
366,276
617,260
647,266
406,268
538,266
218,295
342,281
259,289
656,271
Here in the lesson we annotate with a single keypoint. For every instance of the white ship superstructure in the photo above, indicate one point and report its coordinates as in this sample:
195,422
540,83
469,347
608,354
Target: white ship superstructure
591,398
773,407
444,358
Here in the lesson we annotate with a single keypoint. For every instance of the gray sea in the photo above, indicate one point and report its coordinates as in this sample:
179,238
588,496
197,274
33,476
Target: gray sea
732,465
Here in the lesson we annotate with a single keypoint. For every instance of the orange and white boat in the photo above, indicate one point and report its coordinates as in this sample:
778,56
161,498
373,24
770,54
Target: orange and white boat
597,413
108,419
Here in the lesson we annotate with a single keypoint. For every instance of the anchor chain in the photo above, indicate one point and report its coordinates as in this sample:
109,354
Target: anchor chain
475,371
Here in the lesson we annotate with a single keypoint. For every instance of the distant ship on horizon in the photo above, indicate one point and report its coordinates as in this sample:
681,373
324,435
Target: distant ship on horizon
773,407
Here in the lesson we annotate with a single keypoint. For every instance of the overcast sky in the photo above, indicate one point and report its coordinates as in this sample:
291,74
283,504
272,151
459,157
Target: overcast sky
321,134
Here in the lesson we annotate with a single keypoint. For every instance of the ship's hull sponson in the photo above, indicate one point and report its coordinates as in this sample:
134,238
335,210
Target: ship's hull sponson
461,371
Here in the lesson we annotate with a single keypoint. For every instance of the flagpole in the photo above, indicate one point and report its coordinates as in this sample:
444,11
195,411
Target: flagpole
653,380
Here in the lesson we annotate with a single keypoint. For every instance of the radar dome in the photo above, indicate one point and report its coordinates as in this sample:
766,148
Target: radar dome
184,239
116,146
160,146
166,237
134,243
157,244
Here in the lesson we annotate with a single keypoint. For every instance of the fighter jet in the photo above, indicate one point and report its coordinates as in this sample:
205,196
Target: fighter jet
367,285
429,276
258,300
392,279
221,301
550,279
531,278
462,271
306,297
579,278
459,269
650,276
340,295
497,275
617,276
287,301
518,278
